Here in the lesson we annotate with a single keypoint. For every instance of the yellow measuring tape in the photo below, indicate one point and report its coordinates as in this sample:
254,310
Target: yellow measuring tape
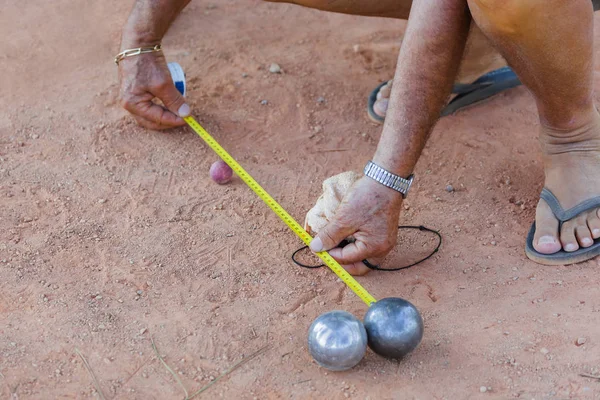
285,217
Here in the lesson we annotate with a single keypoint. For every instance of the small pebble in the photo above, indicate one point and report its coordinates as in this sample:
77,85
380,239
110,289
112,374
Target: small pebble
580,341
483,389
494,243
102,201
544,350
321,100
244,75
140,292
449,188
264,102
275,69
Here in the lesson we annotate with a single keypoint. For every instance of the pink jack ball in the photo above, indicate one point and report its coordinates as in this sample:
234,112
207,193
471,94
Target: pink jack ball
220,172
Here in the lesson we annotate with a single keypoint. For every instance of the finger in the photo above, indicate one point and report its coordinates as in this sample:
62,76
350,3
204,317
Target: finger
149,124
160,115
172,99
353,252
152,112
357,269
330,236
360,268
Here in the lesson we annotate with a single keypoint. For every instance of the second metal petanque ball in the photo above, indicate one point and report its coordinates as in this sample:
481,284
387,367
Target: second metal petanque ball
394,327
337,340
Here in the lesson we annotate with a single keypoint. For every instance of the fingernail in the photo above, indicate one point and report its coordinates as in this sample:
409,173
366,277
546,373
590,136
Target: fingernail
184,110
316,245
546,240
571,247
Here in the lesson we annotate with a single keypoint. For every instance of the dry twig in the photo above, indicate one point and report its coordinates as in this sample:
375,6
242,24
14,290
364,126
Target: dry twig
168,368
87,366
228,371
590,376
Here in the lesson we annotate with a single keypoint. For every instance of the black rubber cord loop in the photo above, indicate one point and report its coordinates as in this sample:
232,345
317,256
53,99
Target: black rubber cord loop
376,267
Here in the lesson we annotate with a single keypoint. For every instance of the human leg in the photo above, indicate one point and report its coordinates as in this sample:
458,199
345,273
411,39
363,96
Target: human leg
549,44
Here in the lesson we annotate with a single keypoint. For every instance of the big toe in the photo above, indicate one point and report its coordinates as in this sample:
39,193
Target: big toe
546,239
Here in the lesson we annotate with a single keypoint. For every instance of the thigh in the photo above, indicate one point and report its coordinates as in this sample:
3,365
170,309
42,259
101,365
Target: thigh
375,8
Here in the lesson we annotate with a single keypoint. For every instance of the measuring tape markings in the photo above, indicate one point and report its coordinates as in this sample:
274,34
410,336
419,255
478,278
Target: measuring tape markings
284,215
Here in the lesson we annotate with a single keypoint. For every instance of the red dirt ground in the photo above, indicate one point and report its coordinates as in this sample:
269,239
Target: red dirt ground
95,210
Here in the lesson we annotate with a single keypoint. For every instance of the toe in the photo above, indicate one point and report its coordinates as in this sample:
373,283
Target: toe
384,92
584,236
546,239
568,238
593,223
583,232
380,107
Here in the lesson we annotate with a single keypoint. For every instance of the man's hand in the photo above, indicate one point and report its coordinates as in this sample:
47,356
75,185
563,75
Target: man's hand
144,78
370,213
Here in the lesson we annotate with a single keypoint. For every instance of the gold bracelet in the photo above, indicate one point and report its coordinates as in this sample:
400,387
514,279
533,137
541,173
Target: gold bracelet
136,52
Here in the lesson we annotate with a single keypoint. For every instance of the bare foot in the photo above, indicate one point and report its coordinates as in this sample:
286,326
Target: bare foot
479,63
572,166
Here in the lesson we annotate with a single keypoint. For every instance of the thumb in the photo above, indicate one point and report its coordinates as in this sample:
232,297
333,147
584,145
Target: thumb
174,101
330,236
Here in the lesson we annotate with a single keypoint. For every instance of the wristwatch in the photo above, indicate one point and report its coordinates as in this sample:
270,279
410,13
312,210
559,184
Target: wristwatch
388,179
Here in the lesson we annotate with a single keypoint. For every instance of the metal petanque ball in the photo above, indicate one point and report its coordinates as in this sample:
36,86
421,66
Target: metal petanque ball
394,327
337,340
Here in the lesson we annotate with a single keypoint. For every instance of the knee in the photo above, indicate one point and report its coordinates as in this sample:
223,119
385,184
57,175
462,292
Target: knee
318,4
507,17
299,2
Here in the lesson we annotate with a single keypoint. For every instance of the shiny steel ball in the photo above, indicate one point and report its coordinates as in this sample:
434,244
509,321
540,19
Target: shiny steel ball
337,340
394,327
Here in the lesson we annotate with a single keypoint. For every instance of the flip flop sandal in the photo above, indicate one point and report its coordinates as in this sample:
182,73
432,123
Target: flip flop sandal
468,94
563,257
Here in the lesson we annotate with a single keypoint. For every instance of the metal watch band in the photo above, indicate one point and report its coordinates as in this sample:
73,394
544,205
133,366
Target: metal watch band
388,179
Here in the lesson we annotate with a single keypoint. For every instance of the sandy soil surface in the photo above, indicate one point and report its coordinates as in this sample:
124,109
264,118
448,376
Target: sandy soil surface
112,236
